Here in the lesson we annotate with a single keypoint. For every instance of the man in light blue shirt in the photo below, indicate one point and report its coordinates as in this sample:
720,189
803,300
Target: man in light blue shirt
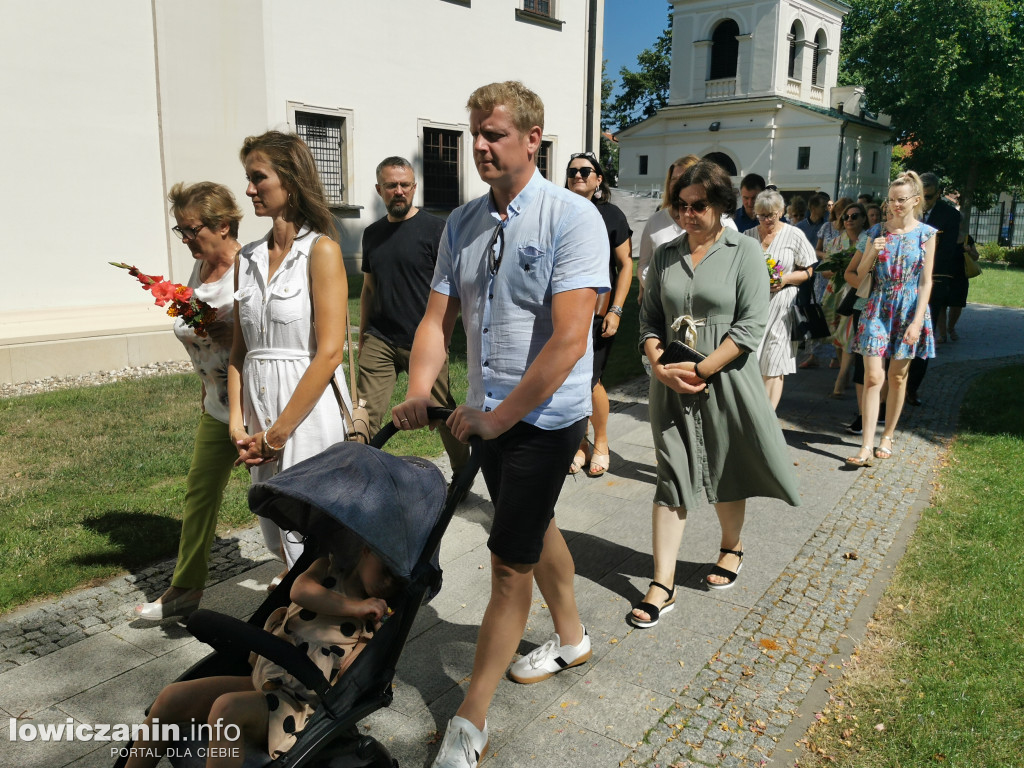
524,264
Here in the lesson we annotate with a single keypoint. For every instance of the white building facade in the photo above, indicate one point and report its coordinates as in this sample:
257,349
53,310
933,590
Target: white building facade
109,103
753,86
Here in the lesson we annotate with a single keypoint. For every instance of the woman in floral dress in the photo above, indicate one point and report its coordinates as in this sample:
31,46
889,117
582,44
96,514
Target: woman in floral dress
895,324
792,253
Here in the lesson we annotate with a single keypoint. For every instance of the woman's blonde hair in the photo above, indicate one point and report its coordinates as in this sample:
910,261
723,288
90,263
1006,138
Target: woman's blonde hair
686,163
293,163
912,180
212,203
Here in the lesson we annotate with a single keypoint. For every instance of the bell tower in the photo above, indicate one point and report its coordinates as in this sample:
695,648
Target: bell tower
742,49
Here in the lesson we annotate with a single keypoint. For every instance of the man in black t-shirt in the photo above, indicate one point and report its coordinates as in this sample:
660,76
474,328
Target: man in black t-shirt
399,253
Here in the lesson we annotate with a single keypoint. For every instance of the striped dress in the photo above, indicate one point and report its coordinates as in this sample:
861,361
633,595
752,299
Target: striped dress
790,249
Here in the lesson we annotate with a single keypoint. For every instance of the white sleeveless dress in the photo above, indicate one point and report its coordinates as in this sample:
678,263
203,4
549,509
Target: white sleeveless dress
277,325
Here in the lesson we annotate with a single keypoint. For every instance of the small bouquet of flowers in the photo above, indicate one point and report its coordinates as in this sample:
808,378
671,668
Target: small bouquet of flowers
836,263
774,270
195,312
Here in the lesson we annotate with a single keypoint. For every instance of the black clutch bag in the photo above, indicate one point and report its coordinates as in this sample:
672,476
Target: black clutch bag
677,352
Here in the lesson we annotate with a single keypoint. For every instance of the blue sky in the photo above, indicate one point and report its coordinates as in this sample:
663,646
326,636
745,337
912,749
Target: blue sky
629,27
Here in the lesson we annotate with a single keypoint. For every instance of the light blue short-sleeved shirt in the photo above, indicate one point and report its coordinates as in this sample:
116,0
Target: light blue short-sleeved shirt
554,241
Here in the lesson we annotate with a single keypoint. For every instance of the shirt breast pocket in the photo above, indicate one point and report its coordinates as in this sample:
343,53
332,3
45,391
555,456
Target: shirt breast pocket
248,306
287,304
531,276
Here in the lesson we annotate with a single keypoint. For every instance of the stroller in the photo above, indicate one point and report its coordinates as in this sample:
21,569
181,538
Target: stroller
400,509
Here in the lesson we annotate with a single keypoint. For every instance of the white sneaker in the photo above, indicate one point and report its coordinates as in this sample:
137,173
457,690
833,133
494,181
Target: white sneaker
550,658
463,745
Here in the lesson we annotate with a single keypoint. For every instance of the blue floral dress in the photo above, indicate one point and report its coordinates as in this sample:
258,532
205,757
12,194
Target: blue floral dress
893,300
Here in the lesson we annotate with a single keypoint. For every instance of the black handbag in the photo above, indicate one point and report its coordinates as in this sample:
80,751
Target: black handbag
809,320
845,306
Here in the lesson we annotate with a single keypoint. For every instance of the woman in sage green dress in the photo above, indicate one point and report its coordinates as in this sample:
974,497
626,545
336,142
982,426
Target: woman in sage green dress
714,429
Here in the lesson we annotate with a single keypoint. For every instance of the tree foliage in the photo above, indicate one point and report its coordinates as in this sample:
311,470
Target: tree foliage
951,76
645,90
609,149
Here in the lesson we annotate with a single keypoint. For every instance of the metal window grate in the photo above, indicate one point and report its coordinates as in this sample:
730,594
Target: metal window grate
441,168
541,7
323,136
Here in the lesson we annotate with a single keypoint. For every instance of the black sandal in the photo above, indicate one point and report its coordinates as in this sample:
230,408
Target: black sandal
718,570
652,610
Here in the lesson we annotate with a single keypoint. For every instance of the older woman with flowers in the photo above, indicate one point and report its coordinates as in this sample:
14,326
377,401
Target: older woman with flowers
713,428
794,260
206,219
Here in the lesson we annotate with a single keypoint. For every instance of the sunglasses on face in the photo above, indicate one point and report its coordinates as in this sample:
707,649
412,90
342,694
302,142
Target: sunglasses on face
698,207
852,216
584,172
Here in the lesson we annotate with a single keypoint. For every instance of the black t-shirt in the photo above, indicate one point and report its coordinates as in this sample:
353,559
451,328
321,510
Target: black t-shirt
400,256
618,233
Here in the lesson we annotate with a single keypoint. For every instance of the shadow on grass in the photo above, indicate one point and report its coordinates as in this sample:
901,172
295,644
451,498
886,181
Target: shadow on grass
133,539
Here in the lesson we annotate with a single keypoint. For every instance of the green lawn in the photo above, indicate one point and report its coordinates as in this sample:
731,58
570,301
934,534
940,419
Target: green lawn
94,478
938,681
998,284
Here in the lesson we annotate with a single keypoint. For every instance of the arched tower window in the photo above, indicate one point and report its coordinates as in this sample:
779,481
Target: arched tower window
725,50
723,160
818,65
796,47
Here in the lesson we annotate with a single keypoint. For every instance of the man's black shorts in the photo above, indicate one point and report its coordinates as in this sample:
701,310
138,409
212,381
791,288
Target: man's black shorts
524,469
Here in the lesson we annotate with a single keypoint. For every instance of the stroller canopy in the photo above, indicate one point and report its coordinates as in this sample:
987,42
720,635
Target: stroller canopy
392,503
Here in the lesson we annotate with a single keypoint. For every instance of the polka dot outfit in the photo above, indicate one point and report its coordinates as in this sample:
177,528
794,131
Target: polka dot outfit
331,642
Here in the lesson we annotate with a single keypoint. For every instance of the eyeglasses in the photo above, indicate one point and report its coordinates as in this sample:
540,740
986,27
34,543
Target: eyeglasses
584,172
405,186
585,155
771,188
187,233
497,237
852,216
698,207
766,216
900,200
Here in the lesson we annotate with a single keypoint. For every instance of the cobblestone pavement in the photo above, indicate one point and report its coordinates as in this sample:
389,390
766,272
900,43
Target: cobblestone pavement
35,631
722,681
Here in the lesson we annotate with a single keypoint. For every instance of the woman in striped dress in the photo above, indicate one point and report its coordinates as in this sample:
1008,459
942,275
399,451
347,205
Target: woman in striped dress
794,258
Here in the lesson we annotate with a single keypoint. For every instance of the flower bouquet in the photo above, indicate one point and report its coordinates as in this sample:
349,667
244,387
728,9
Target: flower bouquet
836,263
774,270
195,312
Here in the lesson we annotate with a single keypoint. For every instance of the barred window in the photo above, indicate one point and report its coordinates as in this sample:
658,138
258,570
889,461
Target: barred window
441,168
323,136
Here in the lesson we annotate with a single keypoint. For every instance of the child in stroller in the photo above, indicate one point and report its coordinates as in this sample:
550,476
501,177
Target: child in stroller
333,614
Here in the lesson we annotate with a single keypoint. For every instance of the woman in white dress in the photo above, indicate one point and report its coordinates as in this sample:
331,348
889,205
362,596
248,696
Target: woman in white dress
794,255
283,408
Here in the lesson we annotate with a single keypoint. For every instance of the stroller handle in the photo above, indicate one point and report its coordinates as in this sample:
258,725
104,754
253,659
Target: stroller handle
389,430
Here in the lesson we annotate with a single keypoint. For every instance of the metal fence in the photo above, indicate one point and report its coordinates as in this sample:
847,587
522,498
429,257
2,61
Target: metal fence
1000,224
